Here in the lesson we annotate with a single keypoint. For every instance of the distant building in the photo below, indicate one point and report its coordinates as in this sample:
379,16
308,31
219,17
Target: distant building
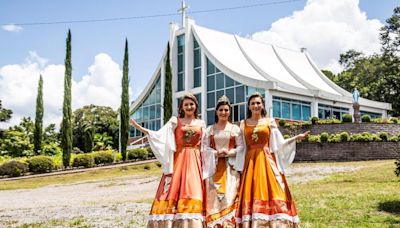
210,63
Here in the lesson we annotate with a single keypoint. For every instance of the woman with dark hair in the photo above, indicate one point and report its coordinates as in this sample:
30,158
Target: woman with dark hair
264,196
179,197
222,143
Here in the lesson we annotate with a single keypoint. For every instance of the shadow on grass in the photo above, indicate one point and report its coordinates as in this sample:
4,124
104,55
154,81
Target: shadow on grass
392,207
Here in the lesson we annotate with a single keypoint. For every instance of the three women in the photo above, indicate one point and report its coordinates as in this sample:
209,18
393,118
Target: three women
257,149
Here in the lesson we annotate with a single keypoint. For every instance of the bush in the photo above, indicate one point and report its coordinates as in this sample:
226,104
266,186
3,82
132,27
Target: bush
40,164
83,160
314,120
347,118
366,118
51,149
324,137
383,135
397,163
138,154
394,120
282,123
314,138
102,157
344,137
393,139
150,152
334,138
76,150
13,168
286,137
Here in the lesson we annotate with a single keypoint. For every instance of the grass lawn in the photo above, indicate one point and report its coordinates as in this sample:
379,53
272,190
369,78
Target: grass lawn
89,176
368,197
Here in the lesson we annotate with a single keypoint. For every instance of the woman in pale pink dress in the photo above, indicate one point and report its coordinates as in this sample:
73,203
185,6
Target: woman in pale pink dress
179,197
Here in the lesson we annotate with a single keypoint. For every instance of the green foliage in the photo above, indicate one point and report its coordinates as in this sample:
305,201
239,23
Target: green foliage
366,118
158,164
51,149
103,157
16,144
102,141
286,137
66,124
329,121
40,164
314,138
334,138
13,168
397,163
314,120
167,103
146,167
383,135
83,160
324,137
76,150
365,137
282,123
394,120
138,154
393,138
150,152
344,137
38,132
381,120
347,118
5,114
124,111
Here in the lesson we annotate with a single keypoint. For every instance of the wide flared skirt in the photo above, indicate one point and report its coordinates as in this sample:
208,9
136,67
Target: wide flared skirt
179,197
264,196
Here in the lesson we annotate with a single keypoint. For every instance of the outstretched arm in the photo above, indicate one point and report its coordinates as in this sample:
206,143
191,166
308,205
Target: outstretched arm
137,126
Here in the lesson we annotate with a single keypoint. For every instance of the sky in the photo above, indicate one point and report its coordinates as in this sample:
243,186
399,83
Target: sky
32,42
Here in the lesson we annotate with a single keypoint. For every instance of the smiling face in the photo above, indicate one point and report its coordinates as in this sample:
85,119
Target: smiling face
223,112
255,106
188,107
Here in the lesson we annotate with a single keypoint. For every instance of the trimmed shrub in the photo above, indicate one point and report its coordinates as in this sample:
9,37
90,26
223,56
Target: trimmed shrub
394,120
138,154
314,120
13,168
314,138
40,164
102,157
393,139
282,123
334,138
83,160
383,135
324,137
347,118
150,153
366,118
344,137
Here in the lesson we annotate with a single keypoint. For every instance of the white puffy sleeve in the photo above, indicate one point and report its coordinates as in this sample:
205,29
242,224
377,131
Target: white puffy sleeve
240,148
237,161
284,149
162,143
208,154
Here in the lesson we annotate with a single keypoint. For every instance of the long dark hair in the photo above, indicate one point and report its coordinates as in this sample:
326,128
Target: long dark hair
254,95
190,97
223,101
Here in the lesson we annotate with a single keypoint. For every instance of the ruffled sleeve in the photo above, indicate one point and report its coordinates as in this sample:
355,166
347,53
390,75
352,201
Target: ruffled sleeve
162,143
237,161
284,149
208,154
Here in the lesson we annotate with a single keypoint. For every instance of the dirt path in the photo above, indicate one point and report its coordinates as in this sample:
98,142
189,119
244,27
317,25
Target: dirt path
122,202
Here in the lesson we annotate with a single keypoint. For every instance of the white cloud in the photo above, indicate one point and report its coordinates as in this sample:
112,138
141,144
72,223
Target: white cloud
11,28
326,28
18,87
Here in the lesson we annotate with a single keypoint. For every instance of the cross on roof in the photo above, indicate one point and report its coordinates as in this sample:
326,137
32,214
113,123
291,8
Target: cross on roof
183,10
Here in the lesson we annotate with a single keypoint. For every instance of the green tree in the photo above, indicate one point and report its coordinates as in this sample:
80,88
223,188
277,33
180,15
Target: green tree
38,133
15,144
66,125
167,89
124,110
102,141
5,114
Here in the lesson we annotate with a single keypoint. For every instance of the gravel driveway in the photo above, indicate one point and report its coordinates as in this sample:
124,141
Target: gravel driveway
122,202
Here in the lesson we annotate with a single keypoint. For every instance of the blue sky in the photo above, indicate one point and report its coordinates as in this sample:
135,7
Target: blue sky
44,45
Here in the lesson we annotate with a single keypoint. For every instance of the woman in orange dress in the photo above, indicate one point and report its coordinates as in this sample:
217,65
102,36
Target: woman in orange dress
223,141
179,197
264,196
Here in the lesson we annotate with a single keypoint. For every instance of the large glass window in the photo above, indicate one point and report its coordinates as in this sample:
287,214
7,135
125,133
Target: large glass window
291,109
196,64
181,63
371,114
148,114
219,84
328,112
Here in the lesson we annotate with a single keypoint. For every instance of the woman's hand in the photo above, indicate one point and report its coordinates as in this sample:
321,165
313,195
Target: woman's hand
137,126
302,136
222,153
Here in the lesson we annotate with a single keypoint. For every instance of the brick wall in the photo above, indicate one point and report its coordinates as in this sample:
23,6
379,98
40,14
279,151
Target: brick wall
392,129
347,151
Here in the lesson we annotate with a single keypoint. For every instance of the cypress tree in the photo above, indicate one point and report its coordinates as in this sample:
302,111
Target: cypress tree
38,133
168,89
124,110
66,125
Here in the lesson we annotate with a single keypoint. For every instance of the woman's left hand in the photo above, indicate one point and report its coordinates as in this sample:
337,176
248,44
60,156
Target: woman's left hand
302,136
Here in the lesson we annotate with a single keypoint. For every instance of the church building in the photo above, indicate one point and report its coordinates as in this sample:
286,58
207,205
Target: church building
210,63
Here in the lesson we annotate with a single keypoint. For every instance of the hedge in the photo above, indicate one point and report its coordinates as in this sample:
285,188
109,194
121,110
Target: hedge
40,164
